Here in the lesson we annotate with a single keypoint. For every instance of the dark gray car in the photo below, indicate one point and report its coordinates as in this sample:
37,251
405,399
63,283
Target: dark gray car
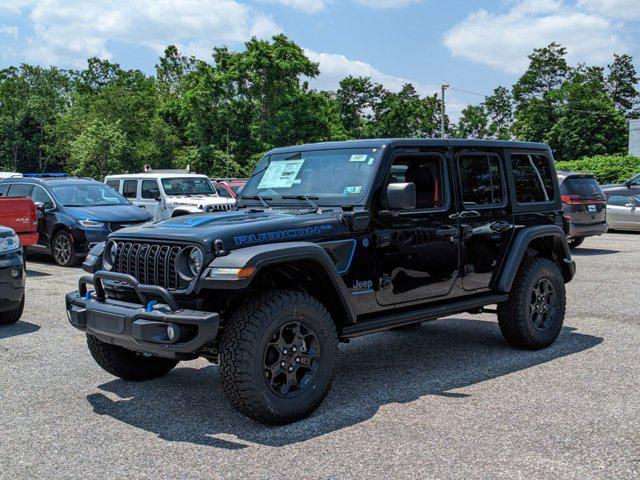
584,206
630,187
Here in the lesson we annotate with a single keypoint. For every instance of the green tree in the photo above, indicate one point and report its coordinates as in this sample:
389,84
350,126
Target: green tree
101,149
588,123
499,109
357,97
621,83
473,122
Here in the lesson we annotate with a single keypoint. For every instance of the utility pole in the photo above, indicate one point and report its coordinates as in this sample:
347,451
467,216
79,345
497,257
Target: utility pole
443,126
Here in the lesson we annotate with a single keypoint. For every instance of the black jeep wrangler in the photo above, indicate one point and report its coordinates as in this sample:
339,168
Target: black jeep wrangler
328,242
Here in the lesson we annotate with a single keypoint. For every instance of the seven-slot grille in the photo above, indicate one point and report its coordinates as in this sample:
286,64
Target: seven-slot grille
220,207
151,263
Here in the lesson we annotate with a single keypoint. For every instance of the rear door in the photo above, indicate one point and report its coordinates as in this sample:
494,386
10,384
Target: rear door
485,217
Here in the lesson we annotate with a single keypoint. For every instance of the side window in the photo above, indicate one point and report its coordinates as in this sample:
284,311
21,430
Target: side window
115,184
4,188
481,180
532,178
19,190
39,195
427,175
635,180
130,188
150,189
618,201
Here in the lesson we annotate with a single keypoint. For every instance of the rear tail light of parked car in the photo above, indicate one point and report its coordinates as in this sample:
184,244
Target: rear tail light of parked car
578,200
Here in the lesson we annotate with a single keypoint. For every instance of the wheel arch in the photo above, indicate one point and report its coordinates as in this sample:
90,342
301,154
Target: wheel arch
548,241
303,266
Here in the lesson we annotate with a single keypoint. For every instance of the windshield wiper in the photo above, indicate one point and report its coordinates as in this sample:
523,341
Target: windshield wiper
263,200
306,198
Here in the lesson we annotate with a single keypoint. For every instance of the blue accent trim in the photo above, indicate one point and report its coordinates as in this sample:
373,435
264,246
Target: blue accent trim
361,292
87,296
353,252
150,305
197,221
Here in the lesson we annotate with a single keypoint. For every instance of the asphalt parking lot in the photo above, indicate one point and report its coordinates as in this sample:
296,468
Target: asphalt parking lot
449,400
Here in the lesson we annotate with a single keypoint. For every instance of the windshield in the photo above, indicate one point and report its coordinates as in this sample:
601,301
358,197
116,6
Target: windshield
187,186
87,195
338,177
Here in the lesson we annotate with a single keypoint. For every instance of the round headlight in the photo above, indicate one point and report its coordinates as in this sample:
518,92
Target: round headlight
109,258
195,261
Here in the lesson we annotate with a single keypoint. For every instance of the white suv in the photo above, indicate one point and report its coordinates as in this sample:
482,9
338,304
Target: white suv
170,193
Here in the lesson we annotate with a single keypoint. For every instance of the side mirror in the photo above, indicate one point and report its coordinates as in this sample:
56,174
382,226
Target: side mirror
632,206
40,207
401,196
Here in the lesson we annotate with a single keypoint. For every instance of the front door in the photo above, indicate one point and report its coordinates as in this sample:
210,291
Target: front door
417,250
150,197
485,219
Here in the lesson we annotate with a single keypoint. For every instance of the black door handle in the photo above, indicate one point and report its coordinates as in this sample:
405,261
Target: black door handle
500,226
469,214
447,232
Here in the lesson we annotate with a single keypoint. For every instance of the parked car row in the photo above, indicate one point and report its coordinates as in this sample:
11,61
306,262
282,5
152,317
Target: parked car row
74,214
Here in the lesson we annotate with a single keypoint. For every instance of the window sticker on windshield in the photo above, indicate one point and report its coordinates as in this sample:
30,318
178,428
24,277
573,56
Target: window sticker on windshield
281,174
354,190
370,161
358,157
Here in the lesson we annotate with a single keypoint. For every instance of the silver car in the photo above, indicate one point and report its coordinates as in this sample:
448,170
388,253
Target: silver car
623,212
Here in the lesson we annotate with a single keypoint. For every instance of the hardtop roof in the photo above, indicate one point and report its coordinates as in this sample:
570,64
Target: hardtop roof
411,142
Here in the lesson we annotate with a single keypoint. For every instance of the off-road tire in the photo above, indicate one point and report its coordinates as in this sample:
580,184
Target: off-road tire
127,364
12,316
64,260
246,337
514,315
575,242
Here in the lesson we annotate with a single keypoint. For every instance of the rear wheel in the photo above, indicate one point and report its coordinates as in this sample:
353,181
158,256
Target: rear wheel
63,249
575,242
127,364
12,316
532,317
278,357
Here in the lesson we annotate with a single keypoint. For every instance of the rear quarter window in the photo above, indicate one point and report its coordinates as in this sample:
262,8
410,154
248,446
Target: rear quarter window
532,178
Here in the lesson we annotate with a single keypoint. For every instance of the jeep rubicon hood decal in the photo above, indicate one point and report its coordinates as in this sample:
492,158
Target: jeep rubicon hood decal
240,229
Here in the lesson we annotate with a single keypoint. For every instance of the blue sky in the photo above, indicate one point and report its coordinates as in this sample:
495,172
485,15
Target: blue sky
473,45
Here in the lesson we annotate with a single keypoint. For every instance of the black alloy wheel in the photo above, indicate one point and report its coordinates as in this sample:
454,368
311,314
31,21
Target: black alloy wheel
291,359
543,304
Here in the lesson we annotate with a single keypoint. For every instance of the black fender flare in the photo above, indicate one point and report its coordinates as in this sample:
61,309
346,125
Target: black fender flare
261,256
518,248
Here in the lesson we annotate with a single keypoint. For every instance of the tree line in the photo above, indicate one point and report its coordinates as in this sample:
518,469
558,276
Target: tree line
220,117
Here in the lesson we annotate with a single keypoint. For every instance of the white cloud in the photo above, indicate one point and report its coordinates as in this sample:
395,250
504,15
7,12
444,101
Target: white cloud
621,9
334,67
10,30
381,4
66,32
307,6
504,41
14,7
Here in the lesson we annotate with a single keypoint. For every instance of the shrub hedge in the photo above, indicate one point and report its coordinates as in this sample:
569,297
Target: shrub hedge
606,168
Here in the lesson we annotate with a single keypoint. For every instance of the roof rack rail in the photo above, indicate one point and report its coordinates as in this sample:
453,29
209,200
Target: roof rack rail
46,175
148,169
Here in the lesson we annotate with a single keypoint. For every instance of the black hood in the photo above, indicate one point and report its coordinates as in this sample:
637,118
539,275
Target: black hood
239,229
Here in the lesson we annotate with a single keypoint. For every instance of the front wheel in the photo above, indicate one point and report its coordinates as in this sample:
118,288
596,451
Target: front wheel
128,364
532,317
63,249
278,356
12,316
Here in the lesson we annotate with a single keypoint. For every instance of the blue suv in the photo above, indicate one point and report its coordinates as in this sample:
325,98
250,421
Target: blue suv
74,214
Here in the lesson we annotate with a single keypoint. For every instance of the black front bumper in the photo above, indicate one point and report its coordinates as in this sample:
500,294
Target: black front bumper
140,327
12,281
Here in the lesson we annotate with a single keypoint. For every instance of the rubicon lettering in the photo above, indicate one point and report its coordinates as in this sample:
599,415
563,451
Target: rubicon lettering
291,234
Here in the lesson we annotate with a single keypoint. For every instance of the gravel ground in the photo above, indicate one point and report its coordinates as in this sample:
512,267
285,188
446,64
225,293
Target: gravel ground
449,400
